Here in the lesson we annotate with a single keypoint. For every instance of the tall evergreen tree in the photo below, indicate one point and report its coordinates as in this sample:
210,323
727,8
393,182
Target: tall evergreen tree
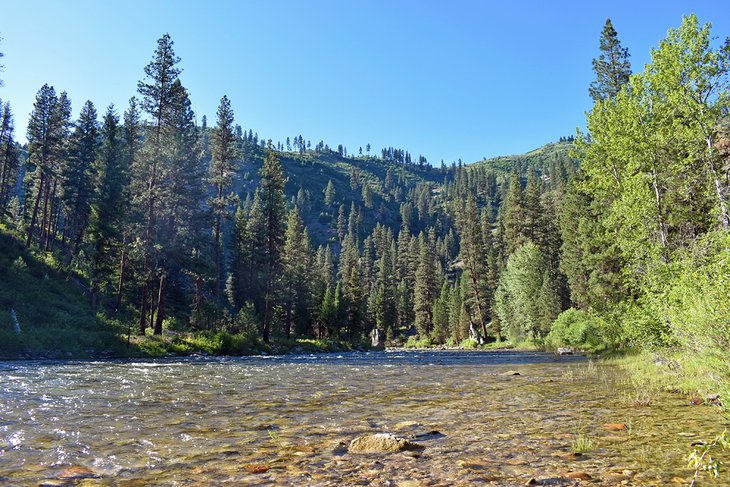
221,170
273,210
426,289
159,91
77,176
612,66
9,158
296,290
472,248
109,203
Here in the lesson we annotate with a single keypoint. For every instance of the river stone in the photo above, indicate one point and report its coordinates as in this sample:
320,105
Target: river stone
256,468
382,442
577,476
77,473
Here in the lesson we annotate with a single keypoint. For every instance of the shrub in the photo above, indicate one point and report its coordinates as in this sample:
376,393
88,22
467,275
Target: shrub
415,342
469,344
576,328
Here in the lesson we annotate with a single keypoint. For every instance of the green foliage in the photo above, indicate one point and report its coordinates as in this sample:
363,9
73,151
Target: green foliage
701,460
582,444
469,344
580,329
417,342
517,300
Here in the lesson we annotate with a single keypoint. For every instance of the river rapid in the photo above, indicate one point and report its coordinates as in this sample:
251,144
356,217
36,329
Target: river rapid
482,418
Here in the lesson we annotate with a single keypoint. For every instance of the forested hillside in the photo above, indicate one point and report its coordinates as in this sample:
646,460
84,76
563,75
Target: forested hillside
616,238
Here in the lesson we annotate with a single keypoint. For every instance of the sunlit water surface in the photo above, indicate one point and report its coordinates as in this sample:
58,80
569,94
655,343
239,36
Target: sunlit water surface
211,421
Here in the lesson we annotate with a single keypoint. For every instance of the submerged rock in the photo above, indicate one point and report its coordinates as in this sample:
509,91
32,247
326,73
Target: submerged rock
382,443
577,476
256,468
77,473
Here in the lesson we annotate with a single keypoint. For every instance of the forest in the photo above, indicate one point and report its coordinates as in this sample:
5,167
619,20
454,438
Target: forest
145,221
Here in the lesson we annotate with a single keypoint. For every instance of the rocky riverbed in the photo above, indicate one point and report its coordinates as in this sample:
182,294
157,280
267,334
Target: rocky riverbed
387,418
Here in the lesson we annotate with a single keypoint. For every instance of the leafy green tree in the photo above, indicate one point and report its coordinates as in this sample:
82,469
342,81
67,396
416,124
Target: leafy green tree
518,302
612,67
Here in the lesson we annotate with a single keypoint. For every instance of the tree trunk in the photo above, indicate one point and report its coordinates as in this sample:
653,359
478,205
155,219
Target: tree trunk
267,312
218,259
44,217
122,268
160,302
719,189
143,310
34,216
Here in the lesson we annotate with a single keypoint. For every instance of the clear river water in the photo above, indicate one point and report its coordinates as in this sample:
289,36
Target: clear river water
482,418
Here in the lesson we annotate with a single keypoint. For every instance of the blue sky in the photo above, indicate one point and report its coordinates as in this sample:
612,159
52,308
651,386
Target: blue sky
449,80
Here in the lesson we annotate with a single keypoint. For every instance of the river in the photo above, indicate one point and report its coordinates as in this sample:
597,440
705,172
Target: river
502,418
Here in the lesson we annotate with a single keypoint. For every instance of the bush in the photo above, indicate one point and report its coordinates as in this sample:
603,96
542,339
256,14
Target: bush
576,328
469,344
415,342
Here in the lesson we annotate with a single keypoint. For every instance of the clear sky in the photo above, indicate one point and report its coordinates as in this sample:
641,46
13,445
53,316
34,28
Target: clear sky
449,80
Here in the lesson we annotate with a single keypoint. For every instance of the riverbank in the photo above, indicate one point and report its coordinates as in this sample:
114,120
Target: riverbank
170,344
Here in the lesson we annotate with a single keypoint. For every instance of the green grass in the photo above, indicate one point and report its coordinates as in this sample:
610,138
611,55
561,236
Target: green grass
582,444
52,307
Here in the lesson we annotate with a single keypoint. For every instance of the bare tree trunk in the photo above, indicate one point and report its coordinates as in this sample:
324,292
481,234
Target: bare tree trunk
34,216
218,259
143,310
719,189
122,268
160,302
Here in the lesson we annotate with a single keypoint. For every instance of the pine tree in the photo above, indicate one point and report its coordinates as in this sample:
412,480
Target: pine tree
425,291
353,294
329,193
612,67
47,135
77,176
109,204
472,251
9,159
159,91
441,315
386,313
273,210
341,224
132,135
515,216
222,166
296,257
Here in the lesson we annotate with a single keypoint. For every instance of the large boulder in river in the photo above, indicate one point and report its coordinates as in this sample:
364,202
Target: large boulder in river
377,338
382,443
